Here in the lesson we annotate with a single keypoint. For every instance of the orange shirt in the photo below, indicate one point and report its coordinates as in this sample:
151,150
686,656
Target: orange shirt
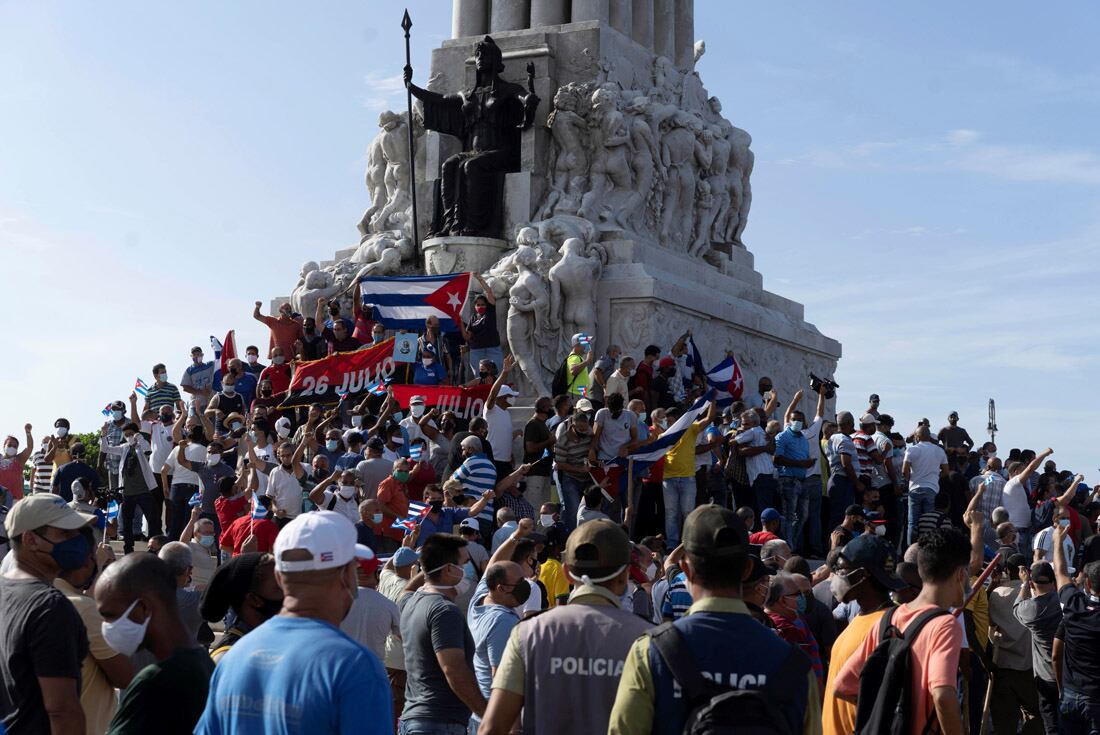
838,716
283,334
392,494
934,656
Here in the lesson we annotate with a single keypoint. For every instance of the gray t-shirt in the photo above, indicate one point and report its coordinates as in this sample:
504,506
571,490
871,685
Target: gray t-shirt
429,623
373,471
614,432
1041,615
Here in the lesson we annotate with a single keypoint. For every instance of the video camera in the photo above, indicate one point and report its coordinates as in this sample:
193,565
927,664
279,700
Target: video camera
823,385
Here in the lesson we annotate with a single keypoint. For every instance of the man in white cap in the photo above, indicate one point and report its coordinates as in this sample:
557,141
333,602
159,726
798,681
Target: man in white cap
411,423
495,412
309,675
44,641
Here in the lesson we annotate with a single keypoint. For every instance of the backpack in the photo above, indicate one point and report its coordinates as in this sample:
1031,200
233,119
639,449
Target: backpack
560,384
885,692
718,710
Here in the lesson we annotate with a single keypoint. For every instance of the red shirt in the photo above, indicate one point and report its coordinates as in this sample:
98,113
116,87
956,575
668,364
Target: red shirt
283,334
279,375
263,529
421,479
229,510
762,537
391,493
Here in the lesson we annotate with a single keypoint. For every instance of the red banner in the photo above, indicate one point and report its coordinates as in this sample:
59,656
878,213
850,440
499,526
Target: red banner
326,380
466,403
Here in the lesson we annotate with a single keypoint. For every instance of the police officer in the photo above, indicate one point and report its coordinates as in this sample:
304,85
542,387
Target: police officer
717,639
564,664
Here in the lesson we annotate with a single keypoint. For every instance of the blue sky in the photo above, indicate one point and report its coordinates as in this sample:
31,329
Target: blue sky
927,182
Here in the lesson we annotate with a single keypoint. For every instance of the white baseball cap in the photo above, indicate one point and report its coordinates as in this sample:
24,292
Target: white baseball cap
470,523
416,400
328,537
506,392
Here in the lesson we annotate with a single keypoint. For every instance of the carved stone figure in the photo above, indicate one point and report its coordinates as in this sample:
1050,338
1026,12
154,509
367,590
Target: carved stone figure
389,260
376,168
573,287
741,163
643,162
529,317
678,146
489,119
610,191
718,179
316,284
569,159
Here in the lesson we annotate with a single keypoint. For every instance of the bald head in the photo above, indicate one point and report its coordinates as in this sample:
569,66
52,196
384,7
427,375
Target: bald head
135,576
923,433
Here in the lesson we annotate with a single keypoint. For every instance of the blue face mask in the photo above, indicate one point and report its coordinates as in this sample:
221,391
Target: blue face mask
398,416
69,554
332,445
801,605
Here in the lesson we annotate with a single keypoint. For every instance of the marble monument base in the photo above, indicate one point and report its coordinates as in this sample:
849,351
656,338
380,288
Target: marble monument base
454,254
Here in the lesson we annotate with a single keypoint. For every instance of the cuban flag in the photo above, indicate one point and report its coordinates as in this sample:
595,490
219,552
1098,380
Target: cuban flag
652,453
376,388
224,351
404,302
196,499
112,510
106,410
258,511
416,451
585,340
417,511
725,378
583,390
693,362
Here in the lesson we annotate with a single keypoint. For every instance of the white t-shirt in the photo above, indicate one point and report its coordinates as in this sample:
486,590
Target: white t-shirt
1014,500
160,439
412,428
371,619
925,460
879,476
285,489
614,432
181,476
758,464
1044,541
500,432
347,508
813,440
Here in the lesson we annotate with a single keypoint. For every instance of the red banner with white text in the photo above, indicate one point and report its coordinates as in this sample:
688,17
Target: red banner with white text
466,403
326,380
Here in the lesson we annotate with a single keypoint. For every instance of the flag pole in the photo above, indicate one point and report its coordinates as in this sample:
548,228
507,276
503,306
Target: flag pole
406,25
631,496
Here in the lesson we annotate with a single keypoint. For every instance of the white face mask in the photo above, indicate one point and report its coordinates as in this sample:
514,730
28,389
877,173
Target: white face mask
62,431
417,411
461,588
213,459
651,570
347,492
283,431
278,359
253,359
124,635
426,363
546,520
357,421
10,451
796,425
229,390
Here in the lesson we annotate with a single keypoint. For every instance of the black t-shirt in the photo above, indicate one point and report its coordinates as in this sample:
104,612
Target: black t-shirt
663,389
845,536
75,470
41,635
166,697
1081,617
483,330
536,431
1090,550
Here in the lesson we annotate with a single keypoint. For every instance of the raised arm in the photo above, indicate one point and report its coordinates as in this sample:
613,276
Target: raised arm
769,405
181,455
1034,464
819,411
478,506
485,287
504,551
795,400
975,519
1061,567
1064,499
317,494
509,362
133,408
22,457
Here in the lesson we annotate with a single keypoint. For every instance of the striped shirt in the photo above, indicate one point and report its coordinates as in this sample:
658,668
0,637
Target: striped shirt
865,444
570,449
932,520
677,599
477,474
43,472
161,395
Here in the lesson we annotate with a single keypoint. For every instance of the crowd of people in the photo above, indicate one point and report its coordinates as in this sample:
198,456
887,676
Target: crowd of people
371,567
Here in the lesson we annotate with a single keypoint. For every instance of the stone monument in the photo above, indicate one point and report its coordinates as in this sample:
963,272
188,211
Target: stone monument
612,197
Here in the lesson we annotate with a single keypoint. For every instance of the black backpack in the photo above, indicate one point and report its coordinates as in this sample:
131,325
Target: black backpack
561,381
885,692
718,710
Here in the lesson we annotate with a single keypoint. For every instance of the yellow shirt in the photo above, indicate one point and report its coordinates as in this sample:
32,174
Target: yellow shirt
578,381
552,576
838,716
979,608
97,696
680,461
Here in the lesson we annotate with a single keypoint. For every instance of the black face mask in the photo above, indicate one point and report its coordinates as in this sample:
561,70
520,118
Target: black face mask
196,434
166,419
436,505
483,373
270,608
859,526
521,591
459,499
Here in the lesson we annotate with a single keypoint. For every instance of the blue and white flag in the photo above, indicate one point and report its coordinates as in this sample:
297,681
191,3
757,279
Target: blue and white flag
140,387
258,511
404,302
725,378
112,510
653,452
693,362
196,499
416,451
417,511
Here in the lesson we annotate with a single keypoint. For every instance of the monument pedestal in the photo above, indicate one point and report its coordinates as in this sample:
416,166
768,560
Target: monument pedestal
454,254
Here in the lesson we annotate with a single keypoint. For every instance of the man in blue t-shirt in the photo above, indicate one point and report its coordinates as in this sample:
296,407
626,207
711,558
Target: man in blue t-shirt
298,672
439,519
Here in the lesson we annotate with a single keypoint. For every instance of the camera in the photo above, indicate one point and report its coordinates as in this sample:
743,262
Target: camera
823,385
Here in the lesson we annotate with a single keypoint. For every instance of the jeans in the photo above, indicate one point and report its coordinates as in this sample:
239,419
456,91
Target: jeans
679,495
1080,716
841,494
763,487
812,487
486,353
430,727
921,501
126,524
1013,692
1048,705
157,517
796,508
570,490
179,500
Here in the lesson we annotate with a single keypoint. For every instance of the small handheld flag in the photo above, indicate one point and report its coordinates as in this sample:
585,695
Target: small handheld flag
416,512
141,388
106,410
196,499
376,389
112,510
258,510
583,390
416,451
585,340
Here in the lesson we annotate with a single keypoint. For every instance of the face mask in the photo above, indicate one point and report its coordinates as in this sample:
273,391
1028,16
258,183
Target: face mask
522,592
253,359
332,445
347,492
129,438
481,309
435,505
70,554
858,526
62,431
228,390
800,605
397,417
10,451
839,586
400,476
397,440
283,432
236,426
213,458
376,518
483,373
166,419
378,337
426,362
278,359
124,635
1064,523
641,416
651,570
357,421
546,520
197,359
417,411
880,530
796,425
79,493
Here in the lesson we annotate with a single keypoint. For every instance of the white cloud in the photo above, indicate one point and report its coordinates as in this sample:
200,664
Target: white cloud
962,136
383,92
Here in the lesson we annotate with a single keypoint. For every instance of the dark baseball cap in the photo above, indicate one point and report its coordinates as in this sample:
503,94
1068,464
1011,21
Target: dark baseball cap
597,547
757,570
1042,572
714,532
874,397
877,556
855,510
885,419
